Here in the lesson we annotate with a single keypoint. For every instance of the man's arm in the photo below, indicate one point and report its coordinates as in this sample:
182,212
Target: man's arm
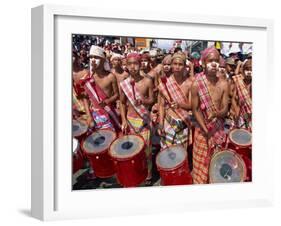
123,110
195,108
161,103
187,105
115,95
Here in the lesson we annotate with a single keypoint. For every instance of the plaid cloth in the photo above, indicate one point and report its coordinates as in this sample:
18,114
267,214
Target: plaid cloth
175,132
128,90
96,95
207,107
76,103
171,87
245,100
137,126
201,158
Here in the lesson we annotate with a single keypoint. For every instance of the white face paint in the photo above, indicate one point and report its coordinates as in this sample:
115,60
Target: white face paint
212,65
248,73
144,64
97,62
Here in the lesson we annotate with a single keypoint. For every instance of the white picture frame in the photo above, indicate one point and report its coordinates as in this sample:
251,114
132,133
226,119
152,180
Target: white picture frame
52,197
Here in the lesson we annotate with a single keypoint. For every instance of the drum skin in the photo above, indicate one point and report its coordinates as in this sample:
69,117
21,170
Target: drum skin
101,162
222,156
242,149
79,135
130,171
178,175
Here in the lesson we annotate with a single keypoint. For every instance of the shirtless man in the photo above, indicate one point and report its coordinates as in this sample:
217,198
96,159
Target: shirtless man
242,95
102,90
117,69
174,104
137,92
79,75
210,98
167,66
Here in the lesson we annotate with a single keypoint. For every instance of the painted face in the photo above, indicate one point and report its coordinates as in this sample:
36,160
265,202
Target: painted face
144,64
177,66
212,63
115,62
166,67
247,70
133,66
124,64
96,62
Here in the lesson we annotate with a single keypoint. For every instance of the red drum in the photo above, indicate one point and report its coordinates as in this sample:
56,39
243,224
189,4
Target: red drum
96,147
227,166
77,157
173,166
128,153
240,140
79,130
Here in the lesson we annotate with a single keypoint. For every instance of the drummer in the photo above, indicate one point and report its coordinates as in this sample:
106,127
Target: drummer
137,92
175,104
242,95
210,106
79,102
102,91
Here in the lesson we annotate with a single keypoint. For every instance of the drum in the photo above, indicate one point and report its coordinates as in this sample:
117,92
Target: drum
79,130
77,157
96,147
240,140
128,153
227,166
172,165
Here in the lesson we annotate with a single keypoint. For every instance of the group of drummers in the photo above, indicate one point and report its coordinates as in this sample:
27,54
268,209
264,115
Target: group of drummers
198,121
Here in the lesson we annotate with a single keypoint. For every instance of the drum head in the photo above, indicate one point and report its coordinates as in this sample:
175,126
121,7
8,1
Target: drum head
99,141
74,145
240,137
171,157
126,146
78,128
226,167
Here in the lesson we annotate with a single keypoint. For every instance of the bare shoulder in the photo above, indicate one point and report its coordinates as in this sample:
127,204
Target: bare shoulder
125,75
148,81
152,73
112,77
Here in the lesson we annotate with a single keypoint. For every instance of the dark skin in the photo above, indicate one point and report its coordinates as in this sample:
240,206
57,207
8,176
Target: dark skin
219,92
143,85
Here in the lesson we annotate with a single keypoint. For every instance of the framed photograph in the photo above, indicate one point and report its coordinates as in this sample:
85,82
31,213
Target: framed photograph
137,112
